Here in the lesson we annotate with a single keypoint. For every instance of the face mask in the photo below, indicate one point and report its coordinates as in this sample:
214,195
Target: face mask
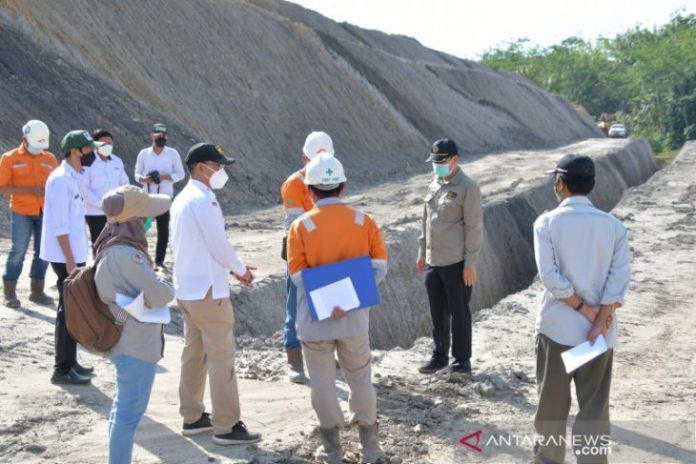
160,141
87,159
105,150
559,198
441,169
147,223
218,179
34,149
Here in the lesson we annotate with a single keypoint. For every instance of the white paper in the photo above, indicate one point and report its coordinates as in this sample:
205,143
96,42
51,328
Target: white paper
341,293
136,308
583,353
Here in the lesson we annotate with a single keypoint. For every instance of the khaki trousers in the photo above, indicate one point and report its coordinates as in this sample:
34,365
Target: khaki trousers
354,356
592,384
210,349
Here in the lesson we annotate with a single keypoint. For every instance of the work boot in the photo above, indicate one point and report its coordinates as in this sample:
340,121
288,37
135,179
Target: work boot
330,451
370,451
37,294
10,290
296,366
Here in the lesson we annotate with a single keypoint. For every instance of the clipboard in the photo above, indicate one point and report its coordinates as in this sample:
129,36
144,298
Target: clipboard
357,270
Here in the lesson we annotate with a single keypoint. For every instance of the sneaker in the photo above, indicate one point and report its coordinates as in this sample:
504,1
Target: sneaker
201,425
461,367
238,436
434,365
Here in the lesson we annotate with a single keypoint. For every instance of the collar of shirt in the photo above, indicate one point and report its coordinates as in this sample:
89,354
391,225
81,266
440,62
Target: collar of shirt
202,187
576,200
329,201
104,159
69,169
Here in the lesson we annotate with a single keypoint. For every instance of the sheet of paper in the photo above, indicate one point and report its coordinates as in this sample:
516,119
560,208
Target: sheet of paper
583,353
341,293
136,308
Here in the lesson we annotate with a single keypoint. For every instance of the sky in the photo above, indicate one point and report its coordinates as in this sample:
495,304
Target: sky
467,28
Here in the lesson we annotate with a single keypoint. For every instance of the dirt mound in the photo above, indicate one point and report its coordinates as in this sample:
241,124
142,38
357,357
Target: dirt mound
256,76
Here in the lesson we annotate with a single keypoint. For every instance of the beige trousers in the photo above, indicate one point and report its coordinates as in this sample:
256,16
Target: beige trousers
355,359
210,349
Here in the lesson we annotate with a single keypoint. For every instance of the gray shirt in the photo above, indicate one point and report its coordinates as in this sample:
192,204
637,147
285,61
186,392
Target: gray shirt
125,270
452,225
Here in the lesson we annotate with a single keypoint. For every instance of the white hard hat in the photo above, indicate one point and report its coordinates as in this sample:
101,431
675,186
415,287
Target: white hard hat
316,143
324,172
36,132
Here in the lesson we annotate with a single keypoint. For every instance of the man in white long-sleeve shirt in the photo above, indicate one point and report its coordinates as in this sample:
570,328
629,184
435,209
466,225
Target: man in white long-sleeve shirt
105,174
158,168
204,260
583,258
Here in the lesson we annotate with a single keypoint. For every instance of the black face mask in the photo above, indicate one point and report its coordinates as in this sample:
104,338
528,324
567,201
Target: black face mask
87,160
160,142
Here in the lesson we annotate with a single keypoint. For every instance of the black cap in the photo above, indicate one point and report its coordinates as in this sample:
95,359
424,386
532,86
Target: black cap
575,167
441,150
202,152
159,128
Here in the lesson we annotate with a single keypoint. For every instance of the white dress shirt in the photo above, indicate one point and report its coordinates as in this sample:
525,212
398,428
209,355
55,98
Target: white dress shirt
102,176
168,162
64,214
203,257
581,250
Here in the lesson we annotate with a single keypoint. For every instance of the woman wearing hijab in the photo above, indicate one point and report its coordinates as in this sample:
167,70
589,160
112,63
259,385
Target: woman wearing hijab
124,266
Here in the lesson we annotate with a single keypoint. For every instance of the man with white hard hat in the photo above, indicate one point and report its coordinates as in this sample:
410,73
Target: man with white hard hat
297,201
330,232
23,174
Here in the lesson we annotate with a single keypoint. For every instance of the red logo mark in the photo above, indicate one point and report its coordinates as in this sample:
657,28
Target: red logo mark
469,441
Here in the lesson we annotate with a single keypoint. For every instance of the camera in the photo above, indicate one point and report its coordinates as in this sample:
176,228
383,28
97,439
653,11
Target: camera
155,176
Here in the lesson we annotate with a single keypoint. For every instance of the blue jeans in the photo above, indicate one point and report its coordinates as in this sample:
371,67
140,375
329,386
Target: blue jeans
290,335
22,228
134,379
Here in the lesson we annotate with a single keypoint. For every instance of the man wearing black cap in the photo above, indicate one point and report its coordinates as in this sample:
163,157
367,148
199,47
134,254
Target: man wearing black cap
203,261
449,246
158,168
583,258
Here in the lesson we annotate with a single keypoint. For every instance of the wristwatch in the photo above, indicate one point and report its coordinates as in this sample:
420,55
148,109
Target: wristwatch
579,307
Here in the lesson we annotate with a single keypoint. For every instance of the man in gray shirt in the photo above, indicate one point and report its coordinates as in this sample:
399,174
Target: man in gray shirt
583,257
449,245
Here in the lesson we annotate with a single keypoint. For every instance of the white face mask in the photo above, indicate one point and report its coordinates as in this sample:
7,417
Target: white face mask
34,149
218,179
105,150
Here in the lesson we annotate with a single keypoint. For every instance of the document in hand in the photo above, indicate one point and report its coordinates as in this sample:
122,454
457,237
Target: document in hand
136,308
349,284
583,353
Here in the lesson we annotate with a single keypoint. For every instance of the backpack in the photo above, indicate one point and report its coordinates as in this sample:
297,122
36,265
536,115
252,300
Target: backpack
89,320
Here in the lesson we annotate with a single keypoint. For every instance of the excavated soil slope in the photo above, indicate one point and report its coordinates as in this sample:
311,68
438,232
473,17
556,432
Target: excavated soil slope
256,76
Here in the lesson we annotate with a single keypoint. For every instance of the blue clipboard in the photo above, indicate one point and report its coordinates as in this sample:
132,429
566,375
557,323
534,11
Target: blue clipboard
358,269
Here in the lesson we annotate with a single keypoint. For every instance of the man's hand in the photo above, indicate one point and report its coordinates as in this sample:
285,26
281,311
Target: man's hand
469,277
70,265
146,180
420,264
599,328
338,313
165,177
590,312
247,279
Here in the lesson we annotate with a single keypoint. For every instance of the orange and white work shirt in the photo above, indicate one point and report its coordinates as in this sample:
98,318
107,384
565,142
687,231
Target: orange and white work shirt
331,232
19,168
296,199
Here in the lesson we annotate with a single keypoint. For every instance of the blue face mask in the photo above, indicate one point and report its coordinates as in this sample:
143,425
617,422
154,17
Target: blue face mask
441,169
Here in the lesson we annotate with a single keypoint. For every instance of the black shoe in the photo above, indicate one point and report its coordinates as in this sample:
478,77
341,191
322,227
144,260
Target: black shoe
434,365
69,378
461,367
82,370
201,425
238,436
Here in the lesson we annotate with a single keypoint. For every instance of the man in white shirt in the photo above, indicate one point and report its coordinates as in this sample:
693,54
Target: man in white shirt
64,243
158,168
583,258
105,174
203,262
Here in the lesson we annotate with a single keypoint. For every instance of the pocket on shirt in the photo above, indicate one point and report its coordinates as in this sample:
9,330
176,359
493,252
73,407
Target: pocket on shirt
449,211
77,205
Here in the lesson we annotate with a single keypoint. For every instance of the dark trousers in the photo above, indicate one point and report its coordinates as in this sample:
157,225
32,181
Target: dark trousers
162,237
449,306
66,348
96,225
592,384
